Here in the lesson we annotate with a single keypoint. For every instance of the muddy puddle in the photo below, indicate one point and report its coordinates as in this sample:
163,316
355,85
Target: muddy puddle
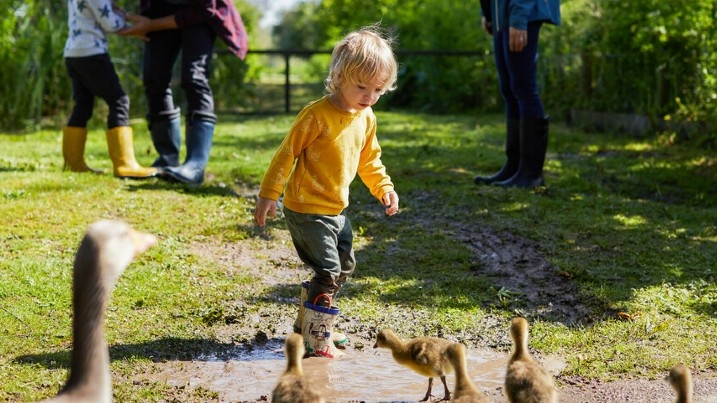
359,375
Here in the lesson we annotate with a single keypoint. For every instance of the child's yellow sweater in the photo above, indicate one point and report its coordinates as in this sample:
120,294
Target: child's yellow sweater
326,147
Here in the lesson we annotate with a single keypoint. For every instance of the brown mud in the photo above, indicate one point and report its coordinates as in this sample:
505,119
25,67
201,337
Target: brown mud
249,372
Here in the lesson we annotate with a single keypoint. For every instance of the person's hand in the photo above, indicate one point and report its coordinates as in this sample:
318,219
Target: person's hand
139,27
518,39
264,207
390,200
487,26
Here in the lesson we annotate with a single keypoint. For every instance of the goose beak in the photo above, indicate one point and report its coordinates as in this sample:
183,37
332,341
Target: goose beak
143,241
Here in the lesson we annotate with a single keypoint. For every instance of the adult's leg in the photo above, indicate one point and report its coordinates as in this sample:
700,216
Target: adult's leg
522,67
512,138
163,118
197,48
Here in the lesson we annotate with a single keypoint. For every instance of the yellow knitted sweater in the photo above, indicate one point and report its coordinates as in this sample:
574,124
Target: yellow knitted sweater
326,147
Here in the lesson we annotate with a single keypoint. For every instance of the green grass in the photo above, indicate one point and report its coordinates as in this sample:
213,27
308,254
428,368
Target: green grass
632,222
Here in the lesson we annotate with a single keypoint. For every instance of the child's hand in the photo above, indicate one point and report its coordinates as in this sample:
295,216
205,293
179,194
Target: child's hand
390,200
264,206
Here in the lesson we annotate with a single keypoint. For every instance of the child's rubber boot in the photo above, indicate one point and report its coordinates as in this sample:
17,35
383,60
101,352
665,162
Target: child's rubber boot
73,149
120,144
318,328
304,296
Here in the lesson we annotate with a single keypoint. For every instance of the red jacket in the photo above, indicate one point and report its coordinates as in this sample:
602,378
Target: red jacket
221,15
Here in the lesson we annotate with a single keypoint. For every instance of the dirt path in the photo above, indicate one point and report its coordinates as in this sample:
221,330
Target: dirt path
513,263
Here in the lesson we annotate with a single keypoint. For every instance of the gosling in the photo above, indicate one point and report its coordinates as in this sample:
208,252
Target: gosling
465,390
424,355
525,380
293,387
681,380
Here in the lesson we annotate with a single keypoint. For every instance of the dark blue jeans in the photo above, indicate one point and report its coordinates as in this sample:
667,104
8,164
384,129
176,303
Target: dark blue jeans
95,76
324,243
517,73
195,44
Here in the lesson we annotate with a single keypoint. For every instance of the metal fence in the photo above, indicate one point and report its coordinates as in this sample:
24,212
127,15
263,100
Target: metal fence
295,94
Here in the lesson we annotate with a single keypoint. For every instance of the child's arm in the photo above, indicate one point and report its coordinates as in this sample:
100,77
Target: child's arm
264,206
108,16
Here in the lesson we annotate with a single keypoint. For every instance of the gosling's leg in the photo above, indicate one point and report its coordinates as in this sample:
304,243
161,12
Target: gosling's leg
428,392
447,393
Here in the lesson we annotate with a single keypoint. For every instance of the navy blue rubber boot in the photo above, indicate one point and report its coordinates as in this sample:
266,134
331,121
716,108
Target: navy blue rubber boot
199,142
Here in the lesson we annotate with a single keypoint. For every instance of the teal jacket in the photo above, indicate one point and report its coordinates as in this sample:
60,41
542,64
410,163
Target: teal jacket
518,13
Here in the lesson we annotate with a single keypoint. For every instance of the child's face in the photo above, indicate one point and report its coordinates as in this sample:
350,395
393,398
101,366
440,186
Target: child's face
359,96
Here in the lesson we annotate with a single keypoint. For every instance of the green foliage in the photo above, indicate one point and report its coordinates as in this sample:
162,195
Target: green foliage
425,82
31,78
298,29
230,70
650,57
647,57
656,57
34,84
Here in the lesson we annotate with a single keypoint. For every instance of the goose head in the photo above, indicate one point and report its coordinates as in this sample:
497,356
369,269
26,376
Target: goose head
109,246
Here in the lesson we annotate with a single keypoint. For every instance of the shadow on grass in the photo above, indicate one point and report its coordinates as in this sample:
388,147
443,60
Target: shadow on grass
612,221
165,349
200,191
619,215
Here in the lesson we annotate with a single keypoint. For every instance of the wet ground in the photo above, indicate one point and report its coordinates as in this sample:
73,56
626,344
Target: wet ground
370,375
250,372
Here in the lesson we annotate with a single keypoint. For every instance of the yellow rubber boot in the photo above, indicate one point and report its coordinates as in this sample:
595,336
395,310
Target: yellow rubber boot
121,148
73,149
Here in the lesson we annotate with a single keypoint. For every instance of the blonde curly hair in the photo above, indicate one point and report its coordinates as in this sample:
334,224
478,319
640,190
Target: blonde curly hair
360,57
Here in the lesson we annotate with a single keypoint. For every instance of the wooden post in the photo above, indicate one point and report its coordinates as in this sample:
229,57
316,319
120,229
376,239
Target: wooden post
287,86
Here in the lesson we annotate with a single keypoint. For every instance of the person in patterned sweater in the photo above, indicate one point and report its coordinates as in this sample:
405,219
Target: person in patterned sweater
93,75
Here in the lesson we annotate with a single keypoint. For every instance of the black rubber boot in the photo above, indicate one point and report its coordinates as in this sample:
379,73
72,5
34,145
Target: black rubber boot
533,145
512,151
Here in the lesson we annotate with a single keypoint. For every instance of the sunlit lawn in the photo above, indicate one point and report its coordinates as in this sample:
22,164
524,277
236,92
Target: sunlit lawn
631,221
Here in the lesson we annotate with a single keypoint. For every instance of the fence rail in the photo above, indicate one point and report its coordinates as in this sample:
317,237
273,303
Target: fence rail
287,54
